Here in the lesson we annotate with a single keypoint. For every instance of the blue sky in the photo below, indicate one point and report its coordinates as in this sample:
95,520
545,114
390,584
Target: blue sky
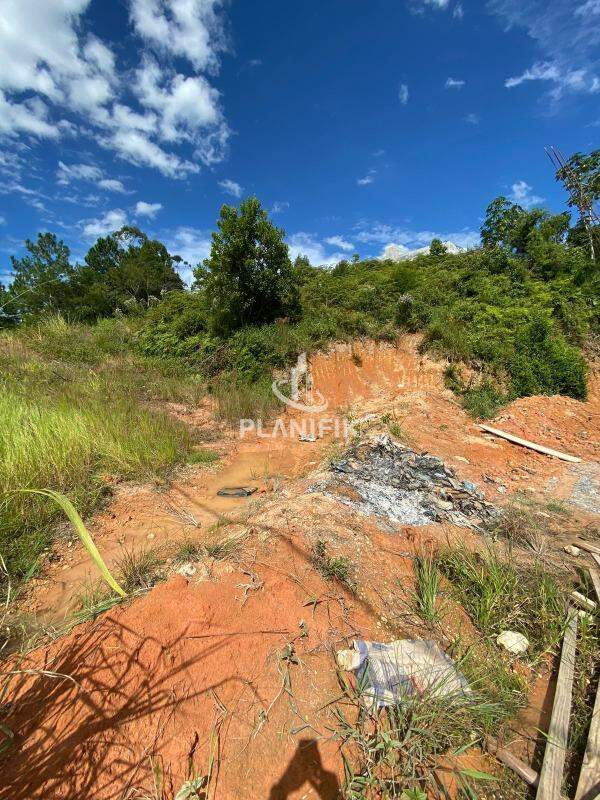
358,124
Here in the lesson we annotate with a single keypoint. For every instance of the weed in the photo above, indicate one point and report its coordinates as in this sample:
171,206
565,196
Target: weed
203,457
409,750
585,686
483,401
189,550
223,549
333,568
427,589
521,526
140,569
499,595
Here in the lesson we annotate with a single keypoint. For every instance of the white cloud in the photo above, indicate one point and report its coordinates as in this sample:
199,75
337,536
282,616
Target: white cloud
279,206
567,39
150,210
521,194
577,80
458,12
191,29
384,234
403,94
231,187
2,220
339,241
48,56
108,223
420,5
472,119
453,83
191,244
307,244
368,178
113,185
67,173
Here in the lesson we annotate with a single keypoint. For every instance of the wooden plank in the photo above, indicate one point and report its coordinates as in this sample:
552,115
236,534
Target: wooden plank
519,767
583,602
591,548
540,448
549,787
595,576
588,787
596,558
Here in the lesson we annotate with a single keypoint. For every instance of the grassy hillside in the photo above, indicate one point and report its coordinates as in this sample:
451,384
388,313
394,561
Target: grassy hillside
77,411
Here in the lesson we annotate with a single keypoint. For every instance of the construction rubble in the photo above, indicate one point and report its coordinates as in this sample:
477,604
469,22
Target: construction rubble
386,479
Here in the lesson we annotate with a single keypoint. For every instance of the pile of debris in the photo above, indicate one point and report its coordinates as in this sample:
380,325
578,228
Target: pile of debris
384,478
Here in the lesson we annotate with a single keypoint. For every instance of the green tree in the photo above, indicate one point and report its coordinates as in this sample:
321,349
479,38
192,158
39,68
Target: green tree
41,278
250,280
123,268
581,178
501,217
437,248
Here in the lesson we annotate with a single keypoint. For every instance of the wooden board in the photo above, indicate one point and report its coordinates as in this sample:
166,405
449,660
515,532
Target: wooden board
590,548
595,576
549,787
588,787
539,448
519,767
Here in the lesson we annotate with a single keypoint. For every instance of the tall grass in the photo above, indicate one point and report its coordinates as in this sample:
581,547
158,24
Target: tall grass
71,426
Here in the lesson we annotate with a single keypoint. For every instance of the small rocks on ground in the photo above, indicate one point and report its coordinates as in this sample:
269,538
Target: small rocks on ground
513,641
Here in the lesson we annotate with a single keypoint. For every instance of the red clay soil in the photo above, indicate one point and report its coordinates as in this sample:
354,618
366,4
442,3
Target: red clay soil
204,667
190,668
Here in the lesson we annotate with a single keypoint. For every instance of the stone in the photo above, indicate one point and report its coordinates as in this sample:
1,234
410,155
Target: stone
188,570
571,550
513,641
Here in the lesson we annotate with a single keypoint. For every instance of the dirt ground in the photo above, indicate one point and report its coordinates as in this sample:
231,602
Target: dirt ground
230,672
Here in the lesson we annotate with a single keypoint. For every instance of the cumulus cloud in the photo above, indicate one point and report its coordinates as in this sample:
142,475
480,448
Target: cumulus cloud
150,210
453,83
108,223
48,56
339,241
309,245
472,119
192,244
403,94
231,187
279,206
521,193
407,239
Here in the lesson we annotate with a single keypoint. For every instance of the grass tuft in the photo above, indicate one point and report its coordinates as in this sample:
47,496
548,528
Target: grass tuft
336,568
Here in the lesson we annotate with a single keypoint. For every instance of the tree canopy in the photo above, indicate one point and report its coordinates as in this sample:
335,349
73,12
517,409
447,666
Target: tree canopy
248,277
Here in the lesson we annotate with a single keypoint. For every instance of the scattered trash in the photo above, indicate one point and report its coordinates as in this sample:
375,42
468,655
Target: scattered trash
187,570
385,478
236,491
400,669
512,641
572,550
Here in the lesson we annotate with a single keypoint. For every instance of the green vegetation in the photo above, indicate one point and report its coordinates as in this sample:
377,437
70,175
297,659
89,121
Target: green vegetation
80,403
77,410
334,568
500,595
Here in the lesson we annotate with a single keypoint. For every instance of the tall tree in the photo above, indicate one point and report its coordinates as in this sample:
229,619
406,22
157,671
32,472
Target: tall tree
41,278
581,178
250,279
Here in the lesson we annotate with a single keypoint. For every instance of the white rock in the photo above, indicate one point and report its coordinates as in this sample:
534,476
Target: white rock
513,642
187,570
571,550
